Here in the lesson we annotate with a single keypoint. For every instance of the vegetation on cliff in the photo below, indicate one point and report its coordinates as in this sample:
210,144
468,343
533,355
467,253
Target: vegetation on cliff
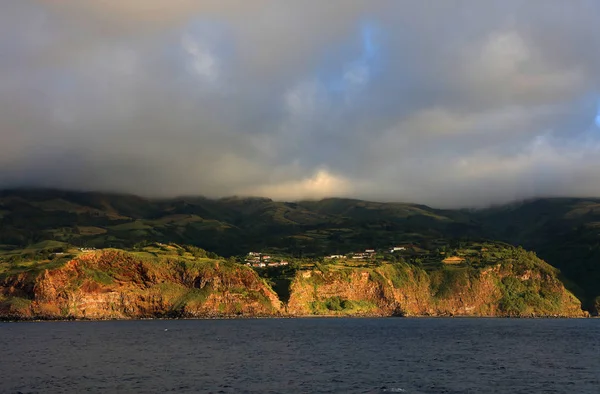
505,282
168,280
156,281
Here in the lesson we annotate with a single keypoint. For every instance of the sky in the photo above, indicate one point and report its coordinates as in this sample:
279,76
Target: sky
447,103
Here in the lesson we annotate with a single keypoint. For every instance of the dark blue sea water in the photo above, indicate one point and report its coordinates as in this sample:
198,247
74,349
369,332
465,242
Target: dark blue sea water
302,356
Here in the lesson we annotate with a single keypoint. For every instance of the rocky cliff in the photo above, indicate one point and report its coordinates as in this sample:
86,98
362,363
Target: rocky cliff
116,285
508,289
112,284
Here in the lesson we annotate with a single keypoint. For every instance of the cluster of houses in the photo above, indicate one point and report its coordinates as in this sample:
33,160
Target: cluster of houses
87,249
260,260
366,255
263,260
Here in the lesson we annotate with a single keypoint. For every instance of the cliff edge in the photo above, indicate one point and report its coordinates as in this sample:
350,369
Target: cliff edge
112,284
513,288
172,282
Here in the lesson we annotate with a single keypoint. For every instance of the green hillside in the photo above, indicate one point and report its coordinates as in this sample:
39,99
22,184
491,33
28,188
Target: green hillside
565,232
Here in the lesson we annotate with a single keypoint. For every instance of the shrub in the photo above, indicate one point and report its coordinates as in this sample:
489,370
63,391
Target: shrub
447,281
100,277
513,291
334,304
512,305
18,303
341,305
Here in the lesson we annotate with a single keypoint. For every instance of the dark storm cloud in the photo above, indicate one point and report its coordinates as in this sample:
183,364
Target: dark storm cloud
449,103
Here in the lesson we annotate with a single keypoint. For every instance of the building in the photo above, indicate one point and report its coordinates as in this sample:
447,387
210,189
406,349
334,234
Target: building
397,249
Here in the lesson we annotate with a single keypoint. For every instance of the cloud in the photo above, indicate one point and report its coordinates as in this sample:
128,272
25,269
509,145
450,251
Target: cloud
320,185
202,61
511,69
457,103
129,17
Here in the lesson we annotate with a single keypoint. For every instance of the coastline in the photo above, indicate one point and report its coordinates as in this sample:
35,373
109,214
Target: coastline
262,317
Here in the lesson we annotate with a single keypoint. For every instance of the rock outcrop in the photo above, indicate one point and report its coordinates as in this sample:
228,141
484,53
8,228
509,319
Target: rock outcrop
403,290
116,285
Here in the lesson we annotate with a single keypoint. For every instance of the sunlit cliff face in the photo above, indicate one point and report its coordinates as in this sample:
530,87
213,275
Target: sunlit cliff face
461,104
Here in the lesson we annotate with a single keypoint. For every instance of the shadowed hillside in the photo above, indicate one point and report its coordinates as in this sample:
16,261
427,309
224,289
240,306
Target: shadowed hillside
563,231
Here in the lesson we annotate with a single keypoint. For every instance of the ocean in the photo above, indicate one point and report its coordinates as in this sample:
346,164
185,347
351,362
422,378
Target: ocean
312,355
